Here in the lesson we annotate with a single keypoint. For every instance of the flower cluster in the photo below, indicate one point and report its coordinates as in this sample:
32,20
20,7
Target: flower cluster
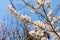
13,11
44,38
39,34
52,18
58,18
36,33
24,19
39,24
42,2
49,19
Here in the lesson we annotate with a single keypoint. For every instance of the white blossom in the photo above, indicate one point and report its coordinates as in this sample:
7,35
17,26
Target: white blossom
58,18
50,16
48,27
43,1
54,36
36,33
47,1
35,11
52,22
50,13
13,11
59,33
44,38
32,33
25,19
54,19
38,23
40,1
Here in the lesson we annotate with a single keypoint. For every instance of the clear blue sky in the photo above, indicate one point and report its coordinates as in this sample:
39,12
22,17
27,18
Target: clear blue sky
3,11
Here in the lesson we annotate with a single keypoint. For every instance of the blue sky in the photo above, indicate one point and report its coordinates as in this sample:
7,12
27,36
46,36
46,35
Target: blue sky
4,12
4,3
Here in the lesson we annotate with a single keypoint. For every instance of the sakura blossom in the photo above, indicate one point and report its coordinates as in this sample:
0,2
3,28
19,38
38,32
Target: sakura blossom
43,28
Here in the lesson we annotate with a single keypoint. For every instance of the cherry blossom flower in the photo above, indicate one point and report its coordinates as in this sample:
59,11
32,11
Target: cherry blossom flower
42,2
36,33
39,23
44,38
48,27
24,19
54,19
35,11
50,13
58,18
13,11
